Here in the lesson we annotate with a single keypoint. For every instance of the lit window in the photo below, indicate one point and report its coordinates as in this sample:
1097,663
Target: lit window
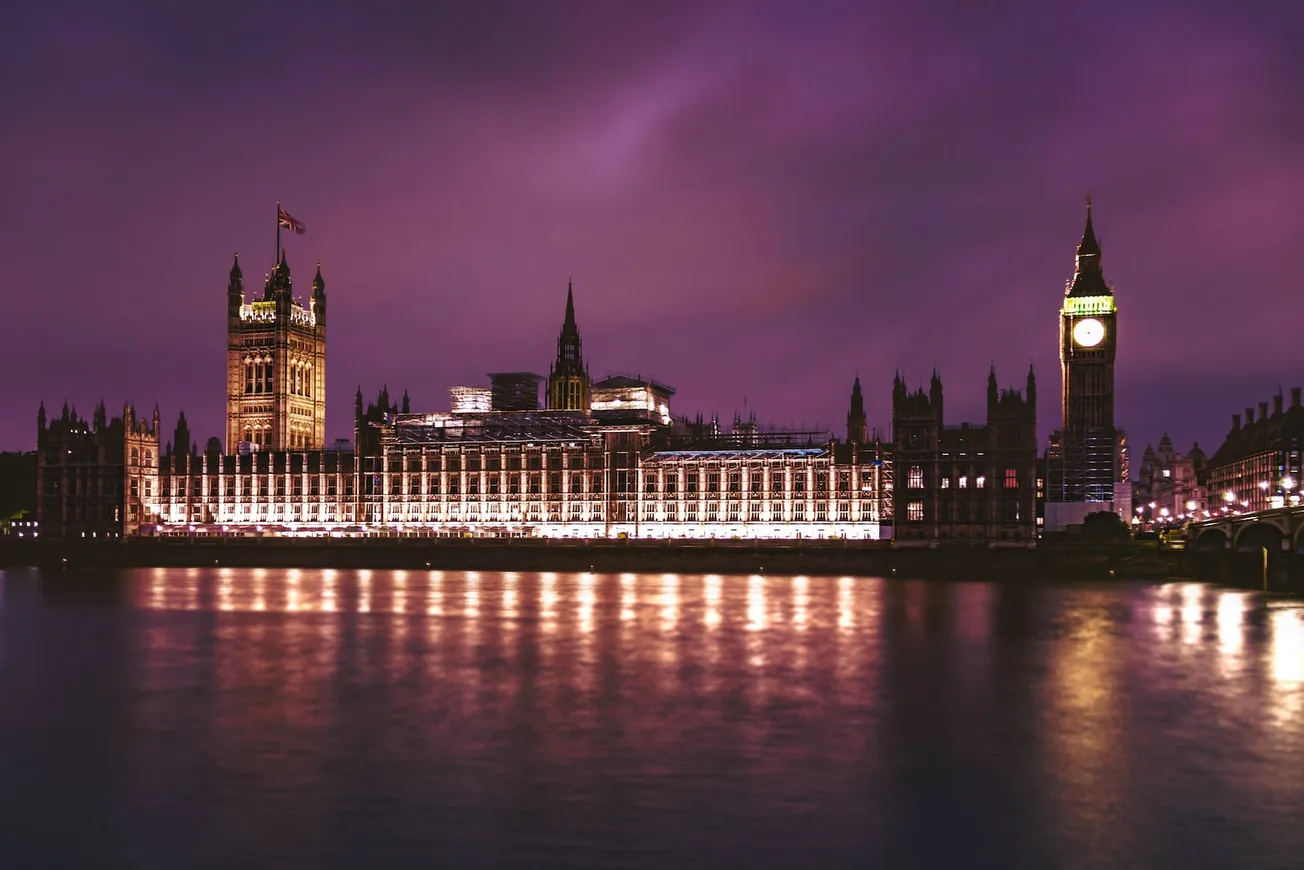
916,477
980,481
946,483
915,511
964,481
1011,478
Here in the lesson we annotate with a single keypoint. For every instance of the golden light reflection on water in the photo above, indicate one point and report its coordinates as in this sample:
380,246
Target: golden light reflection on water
510,594
800,601
292,578
846,609
1192,612
1231,624
669,602
435,593
1288,647
398,601
472,609
585,600
756,616
225,578
328,579
548,601
364,591
628,597
260,589
711,598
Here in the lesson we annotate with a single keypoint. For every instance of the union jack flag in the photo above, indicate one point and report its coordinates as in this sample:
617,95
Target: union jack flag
283,219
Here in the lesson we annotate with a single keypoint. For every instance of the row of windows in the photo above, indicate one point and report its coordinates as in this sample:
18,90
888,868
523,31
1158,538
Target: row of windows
253,486
596,512
259,377
915,479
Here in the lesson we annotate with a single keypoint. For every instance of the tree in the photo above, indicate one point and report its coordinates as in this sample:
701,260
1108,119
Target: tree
1104,526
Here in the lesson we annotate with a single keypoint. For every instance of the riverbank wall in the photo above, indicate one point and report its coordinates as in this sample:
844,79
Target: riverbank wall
854,558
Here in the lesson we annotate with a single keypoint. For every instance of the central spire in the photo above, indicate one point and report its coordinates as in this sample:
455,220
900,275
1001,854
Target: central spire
568,378
1088,278
1089,246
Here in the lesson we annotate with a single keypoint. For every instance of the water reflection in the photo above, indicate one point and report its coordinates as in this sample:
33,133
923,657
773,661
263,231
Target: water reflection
1231,624
824,710
846,613
669,602
711,597
800,601
628,597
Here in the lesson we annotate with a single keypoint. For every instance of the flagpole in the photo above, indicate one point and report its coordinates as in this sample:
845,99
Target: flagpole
277,258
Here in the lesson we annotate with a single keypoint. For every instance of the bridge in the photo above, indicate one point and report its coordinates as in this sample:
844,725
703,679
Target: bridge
1278,530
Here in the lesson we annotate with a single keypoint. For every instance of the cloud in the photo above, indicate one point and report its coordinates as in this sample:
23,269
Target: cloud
752,199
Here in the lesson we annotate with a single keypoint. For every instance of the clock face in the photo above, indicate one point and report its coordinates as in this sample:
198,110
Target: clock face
1089,332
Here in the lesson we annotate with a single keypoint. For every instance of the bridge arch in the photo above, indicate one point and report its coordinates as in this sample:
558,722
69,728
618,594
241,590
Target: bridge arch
1213,540
1253,537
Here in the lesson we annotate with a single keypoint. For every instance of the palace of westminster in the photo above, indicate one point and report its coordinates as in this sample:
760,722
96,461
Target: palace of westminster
602,458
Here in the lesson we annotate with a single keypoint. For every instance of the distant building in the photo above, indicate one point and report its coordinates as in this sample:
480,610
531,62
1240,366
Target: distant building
514,391
965,483
1086,460
95,479
471,400
1258,464
621,397
1170,485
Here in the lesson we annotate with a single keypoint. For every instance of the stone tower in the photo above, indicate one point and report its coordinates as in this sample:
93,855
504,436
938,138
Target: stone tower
857,426
276,364
568,378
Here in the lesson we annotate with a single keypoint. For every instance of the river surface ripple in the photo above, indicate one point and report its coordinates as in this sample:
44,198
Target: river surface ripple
218,718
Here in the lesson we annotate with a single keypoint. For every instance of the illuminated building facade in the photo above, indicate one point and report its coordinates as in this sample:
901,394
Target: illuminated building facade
965,483
1086,457
621,397
470,400
275,364
1170,486
95,479
1258,465
256,492
566,474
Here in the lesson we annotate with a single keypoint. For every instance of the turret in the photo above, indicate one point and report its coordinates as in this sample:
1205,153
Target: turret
357,405
235,290
856,425
319,297
1032,387
181,437
406,407
935,394
993,394
282,287
100,419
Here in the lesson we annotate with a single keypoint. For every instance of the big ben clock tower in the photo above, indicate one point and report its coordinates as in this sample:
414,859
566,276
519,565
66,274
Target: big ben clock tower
1086,456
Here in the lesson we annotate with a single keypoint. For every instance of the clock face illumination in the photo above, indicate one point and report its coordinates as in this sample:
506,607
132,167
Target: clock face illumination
1089,332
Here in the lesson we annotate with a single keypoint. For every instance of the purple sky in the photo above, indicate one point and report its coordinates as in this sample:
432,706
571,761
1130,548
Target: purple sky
756,201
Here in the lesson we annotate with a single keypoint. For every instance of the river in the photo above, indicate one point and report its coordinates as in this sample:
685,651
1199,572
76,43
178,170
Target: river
223,717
